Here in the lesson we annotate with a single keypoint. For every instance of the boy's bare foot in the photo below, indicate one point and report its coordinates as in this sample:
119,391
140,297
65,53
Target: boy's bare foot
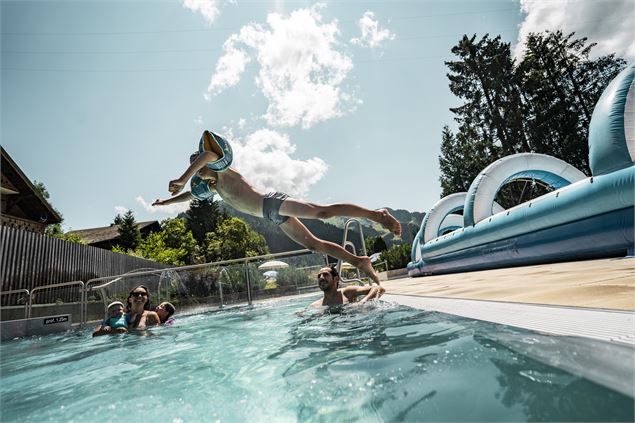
366,266
389,222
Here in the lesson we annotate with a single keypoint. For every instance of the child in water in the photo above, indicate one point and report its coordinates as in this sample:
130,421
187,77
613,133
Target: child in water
210,172
165,310
117,321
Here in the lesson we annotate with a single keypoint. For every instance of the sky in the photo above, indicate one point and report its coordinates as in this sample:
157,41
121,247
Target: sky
332,101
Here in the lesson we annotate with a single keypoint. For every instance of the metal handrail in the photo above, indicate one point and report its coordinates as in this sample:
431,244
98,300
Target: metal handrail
245,260
346,243
57,285
215,263
223,271
20,291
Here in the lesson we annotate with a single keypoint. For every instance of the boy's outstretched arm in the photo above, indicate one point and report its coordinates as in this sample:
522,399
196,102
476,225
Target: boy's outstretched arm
184,196
205,157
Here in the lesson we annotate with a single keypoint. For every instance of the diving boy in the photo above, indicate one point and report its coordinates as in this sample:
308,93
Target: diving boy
210,172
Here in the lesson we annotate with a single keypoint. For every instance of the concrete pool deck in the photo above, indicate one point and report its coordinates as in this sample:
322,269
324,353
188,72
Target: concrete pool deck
594,298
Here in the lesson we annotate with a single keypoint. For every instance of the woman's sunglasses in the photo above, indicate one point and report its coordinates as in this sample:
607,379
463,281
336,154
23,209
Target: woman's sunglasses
139,294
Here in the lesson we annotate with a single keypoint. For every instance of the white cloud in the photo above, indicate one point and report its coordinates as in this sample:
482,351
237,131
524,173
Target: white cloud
264,159
609,23
121,210
172,209
198,120
300,69
208,8
372,36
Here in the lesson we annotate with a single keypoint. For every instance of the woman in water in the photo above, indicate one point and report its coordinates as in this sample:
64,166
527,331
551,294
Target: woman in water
139,311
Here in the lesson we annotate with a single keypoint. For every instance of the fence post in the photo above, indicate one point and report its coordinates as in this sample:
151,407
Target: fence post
248,282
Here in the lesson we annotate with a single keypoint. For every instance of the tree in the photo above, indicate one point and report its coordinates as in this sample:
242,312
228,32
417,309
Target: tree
542,104
375,244
129,235
397,257
55,229
561,86
174,244
233,239
203,217
462,158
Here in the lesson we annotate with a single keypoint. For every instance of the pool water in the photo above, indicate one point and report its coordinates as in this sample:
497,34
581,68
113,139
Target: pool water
274,362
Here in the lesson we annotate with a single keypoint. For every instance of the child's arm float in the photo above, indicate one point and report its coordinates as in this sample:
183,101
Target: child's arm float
184,196
205,157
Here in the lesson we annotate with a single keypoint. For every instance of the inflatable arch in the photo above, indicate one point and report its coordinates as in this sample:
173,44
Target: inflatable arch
434,223
612,127
452,222
547,169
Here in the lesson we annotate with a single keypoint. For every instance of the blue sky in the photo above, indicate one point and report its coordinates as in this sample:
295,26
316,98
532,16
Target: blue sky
340,101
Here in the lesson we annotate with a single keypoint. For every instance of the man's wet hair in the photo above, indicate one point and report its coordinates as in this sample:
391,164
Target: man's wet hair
333,271
194,156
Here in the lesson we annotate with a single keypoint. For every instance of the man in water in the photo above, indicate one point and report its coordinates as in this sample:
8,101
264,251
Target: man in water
329,280
210,173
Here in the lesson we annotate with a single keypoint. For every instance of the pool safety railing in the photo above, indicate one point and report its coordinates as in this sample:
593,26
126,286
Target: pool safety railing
109,284
223,272
67,294
79,294
346,244
24,298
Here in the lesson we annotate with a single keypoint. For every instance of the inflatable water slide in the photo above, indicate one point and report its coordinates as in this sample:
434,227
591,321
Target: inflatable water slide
582,218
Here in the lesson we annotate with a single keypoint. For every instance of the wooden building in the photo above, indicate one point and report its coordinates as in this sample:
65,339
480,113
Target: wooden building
23,207
108,236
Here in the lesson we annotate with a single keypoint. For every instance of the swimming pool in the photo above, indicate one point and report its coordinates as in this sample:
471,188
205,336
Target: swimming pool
382,362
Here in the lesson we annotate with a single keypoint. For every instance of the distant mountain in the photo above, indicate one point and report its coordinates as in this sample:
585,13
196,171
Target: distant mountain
332,229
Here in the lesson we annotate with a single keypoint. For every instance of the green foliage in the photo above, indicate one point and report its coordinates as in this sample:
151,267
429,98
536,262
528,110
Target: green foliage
56,231
542,104
233,239
375,244
174,244
204,217
291,277
41,188
129,235
397,257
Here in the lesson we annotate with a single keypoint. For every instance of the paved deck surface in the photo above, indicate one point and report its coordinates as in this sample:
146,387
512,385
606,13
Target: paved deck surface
592,299
606,284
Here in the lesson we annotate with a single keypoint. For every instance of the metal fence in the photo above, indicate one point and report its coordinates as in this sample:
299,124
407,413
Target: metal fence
29,260
211,284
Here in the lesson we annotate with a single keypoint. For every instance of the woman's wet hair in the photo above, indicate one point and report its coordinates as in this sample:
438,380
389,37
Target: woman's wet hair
146,306
194,156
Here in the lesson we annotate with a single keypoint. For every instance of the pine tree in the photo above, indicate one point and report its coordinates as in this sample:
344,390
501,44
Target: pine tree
204,217
562,85
129,235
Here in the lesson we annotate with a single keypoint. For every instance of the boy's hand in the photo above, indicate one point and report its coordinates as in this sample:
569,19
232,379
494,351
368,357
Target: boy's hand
176,186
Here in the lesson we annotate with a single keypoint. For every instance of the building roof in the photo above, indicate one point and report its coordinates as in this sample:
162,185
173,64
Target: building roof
108,233
30,203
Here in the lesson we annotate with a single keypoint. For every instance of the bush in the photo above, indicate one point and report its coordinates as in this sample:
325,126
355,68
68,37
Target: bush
292,277
397,257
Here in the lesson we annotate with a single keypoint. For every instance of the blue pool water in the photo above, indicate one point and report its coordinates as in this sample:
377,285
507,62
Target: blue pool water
381,362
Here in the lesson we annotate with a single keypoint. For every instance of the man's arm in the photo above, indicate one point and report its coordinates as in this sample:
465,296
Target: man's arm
317,303
184,196
369,292
205,157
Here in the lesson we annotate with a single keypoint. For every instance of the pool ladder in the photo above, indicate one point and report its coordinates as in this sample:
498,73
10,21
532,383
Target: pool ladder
345,244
